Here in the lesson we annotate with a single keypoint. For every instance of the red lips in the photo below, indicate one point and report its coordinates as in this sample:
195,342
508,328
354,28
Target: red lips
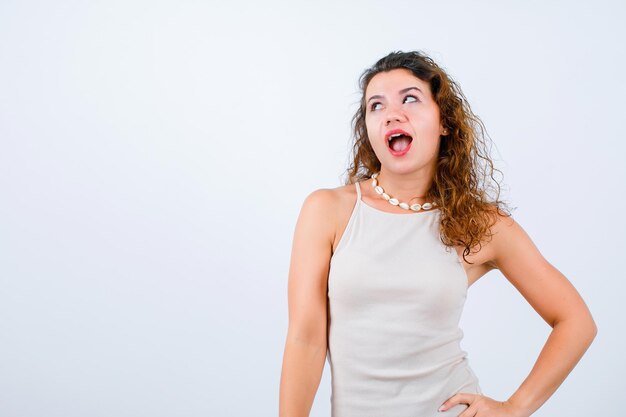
396,131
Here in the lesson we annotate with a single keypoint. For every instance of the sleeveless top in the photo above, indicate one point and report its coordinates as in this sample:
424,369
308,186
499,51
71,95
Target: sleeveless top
395,298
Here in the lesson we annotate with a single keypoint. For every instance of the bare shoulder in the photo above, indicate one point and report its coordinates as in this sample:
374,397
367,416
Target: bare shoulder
483,260
319,213
510,246
330,210
327,201
507,233
500,227
321,201
345,200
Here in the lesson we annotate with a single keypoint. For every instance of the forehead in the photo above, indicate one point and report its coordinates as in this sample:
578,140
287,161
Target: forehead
388,82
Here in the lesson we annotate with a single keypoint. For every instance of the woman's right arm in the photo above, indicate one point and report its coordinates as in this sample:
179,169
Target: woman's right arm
306,342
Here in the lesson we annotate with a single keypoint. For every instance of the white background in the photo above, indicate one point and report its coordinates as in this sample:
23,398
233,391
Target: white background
154,157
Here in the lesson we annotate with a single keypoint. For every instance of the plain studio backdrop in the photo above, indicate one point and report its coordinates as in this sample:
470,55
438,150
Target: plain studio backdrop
154,157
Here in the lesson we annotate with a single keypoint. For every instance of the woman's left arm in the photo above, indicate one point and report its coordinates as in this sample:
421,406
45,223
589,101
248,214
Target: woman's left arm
556,300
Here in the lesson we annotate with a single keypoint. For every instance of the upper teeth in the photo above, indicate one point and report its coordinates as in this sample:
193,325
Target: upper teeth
395,135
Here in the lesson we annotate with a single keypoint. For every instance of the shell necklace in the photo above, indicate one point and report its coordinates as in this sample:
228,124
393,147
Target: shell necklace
395,201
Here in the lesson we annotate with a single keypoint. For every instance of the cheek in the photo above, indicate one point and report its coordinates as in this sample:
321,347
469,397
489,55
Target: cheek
434,120
371,132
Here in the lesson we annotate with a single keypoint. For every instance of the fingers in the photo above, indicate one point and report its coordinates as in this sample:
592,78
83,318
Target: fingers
470,411
459,398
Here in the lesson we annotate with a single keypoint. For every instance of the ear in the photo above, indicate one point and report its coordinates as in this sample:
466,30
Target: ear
442,130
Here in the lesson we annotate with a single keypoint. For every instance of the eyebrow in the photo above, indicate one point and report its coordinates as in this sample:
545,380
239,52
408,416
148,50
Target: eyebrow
404,90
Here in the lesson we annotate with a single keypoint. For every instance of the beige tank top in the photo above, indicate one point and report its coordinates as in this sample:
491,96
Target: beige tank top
396,294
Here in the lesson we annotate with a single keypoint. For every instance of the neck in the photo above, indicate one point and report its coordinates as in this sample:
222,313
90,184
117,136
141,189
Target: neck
411,188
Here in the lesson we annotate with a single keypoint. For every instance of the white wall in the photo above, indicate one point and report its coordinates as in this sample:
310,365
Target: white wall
154,157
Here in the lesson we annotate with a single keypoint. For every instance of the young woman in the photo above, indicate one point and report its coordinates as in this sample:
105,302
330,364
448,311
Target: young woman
380,267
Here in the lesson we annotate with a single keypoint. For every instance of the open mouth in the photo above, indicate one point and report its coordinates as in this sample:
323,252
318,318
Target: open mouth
399,142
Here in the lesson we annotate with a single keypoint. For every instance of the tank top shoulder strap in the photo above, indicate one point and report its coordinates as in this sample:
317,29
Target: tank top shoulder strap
349,231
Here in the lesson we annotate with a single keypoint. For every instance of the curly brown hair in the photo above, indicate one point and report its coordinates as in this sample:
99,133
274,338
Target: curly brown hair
462,179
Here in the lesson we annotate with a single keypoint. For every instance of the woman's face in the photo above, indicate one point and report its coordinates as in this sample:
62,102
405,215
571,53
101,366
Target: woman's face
399,102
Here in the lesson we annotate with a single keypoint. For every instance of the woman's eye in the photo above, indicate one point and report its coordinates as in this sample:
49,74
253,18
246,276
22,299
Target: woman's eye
373,106
411,97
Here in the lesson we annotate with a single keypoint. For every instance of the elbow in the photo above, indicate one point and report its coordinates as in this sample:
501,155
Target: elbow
594,329
591,333
584,324
587,332
590,329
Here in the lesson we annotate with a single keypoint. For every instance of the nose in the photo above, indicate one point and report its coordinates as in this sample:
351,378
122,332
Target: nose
393,114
